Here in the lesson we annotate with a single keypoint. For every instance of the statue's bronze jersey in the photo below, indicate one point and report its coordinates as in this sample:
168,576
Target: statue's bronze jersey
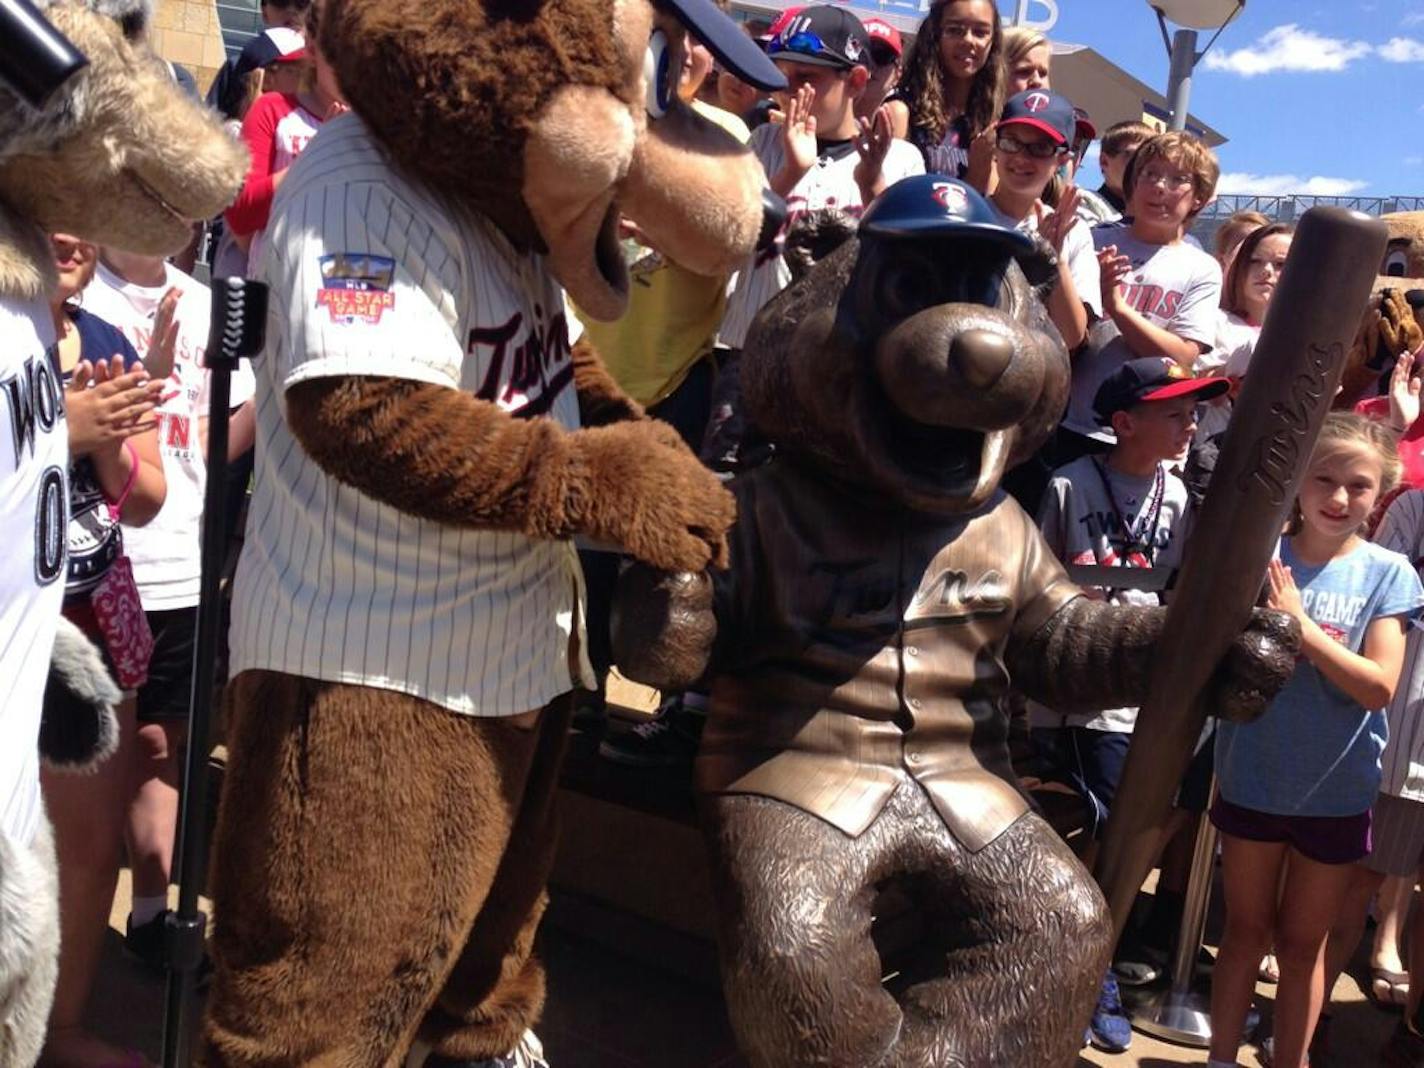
861,643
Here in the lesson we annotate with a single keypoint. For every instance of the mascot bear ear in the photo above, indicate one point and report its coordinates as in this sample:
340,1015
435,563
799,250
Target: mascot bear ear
79,729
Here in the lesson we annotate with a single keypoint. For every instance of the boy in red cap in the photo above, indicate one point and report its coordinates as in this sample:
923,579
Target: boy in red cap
886,50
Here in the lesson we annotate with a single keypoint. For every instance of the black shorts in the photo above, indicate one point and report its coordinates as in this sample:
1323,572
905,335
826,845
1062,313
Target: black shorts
166,694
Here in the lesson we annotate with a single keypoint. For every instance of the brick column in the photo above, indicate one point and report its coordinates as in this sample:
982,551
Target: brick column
188,32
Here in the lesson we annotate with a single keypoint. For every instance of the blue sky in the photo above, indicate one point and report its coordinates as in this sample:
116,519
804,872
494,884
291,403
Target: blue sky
1315,96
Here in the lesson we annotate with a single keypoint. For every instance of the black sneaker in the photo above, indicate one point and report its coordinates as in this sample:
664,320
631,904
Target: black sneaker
149,941
668,740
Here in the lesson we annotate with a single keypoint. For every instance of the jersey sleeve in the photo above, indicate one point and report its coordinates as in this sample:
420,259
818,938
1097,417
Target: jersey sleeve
371,287
1195,318
902,161
1400,591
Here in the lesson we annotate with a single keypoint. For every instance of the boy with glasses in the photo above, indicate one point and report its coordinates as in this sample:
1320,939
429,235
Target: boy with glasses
1159,290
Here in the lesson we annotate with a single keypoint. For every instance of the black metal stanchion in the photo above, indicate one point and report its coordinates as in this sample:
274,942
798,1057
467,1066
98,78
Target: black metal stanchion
239,319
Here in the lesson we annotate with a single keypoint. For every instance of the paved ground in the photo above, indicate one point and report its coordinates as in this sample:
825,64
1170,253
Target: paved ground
605,1011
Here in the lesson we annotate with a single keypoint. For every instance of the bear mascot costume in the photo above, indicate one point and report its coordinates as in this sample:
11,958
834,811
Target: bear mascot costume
407,608
883,594
116,154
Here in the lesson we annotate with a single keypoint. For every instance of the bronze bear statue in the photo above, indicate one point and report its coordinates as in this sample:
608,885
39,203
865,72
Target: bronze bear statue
883,594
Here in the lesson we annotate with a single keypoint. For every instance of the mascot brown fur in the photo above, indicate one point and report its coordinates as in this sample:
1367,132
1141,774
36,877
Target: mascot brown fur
406,610
883,594
1392,323
120,156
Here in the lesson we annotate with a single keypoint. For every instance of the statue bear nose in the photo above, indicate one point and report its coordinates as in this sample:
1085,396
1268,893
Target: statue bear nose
773,217
980,356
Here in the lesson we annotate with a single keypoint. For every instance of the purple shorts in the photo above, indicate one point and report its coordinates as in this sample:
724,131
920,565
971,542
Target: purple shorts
1323,839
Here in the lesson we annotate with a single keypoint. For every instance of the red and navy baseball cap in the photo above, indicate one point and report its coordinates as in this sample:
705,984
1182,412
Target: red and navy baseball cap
277,44
1043,109
733,49
822,36
1152,378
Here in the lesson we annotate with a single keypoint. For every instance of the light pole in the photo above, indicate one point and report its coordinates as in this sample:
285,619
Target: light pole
1191,15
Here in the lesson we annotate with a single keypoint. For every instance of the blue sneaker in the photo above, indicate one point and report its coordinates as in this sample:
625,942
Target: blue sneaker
1110,1030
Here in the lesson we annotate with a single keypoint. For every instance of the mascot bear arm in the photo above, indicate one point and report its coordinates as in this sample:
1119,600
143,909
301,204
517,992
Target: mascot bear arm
444,455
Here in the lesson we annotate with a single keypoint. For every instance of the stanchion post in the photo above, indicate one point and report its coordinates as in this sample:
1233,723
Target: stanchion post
238,322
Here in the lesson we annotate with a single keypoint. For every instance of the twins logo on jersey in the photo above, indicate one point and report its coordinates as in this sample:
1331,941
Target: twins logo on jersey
528,363
356,286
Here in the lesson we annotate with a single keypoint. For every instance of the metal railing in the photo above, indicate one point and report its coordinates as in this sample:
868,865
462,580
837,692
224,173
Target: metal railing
1289,206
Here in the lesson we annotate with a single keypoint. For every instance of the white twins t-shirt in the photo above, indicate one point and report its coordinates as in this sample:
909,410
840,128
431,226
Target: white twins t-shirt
1176,287
34,516
373,275
166,552
830,183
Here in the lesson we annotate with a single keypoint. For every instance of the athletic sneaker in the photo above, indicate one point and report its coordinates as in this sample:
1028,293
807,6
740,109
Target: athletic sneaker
1110,1030
666,741
528,1054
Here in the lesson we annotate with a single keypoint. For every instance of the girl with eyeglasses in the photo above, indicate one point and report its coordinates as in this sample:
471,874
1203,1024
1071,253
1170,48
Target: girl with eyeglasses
1032,139
953,90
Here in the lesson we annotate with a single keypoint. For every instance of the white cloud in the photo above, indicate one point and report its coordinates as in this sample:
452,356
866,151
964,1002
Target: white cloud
1289,48
1413,161
1402,50
1414,18
1276,185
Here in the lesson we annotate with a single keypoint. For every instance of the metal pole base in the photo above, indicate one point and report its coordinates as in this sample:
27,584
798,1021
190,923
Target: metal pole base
1181,1018
1184,1019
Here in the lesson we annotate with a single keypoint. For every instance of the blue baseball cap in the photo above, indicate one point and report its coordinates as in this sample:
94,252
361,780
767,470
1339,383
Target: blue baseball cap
1045,110
732,48
930,205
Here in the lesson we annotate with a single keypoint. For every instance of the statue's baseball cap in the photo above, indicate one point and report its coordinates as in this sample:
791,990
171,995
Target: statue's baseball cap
1043,109
822,36
733,49
1151,378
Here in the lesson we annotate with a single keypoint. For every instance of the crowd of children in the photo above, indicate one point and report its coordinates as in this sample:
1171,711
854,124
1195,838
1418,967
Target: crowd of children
1319,801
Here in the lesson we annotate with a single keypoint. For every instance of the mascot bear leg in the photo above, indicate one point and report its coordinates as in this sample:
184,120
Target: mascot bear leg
29,944
365,889
795,896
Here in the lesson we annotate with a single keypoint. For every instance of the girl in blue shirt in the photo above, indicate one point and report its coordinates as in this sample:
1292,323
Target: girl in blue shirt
1296,785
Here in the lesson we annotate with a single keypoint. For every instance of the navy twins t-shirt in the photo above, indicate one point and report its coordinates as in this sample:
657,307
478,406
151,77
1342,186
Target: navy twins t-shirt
95,538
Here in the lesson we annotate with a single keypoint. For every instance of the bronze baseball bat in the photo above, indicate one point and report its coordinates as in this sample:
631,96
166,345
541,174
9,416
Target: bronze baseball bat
1294,373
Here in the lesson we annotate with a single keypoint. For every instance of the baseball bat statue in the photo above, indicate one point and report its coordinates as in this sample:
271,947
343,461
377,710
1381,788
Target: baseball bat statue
1294,374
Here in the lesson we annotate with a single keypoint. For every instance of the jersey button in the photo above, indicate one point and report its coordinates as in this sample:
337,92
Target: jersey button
912,650
916,703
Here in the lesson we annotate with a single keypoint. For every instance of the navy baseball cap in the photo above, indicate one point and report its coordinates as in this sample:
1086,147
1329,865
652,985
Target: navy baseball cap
822,36
930,205
1151,378
733,49
1043,109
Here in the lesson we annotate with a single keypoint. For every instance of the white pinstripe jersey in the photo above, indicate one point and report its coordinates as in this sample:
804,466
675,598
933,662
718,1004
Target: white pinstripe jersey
371,275
1402,529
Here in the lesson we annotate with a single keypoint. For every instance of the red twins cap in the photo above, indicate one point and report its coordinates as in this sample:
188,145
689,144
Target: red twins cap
822,36
1043,109
882,34
1152,378
774,30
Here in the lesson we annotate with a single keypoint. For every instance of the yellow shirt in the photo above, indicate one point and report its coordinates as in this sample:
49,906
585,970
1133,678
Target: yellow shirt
673,314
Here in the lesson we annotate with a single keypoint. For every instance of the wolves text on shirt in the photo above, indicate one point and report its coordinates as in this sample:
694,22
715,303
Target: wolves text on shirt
34,401
35,405
540,366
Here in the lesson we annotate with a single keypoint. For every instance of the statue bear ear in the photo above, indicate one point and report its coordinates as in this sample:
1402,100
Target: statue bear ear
1039,265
